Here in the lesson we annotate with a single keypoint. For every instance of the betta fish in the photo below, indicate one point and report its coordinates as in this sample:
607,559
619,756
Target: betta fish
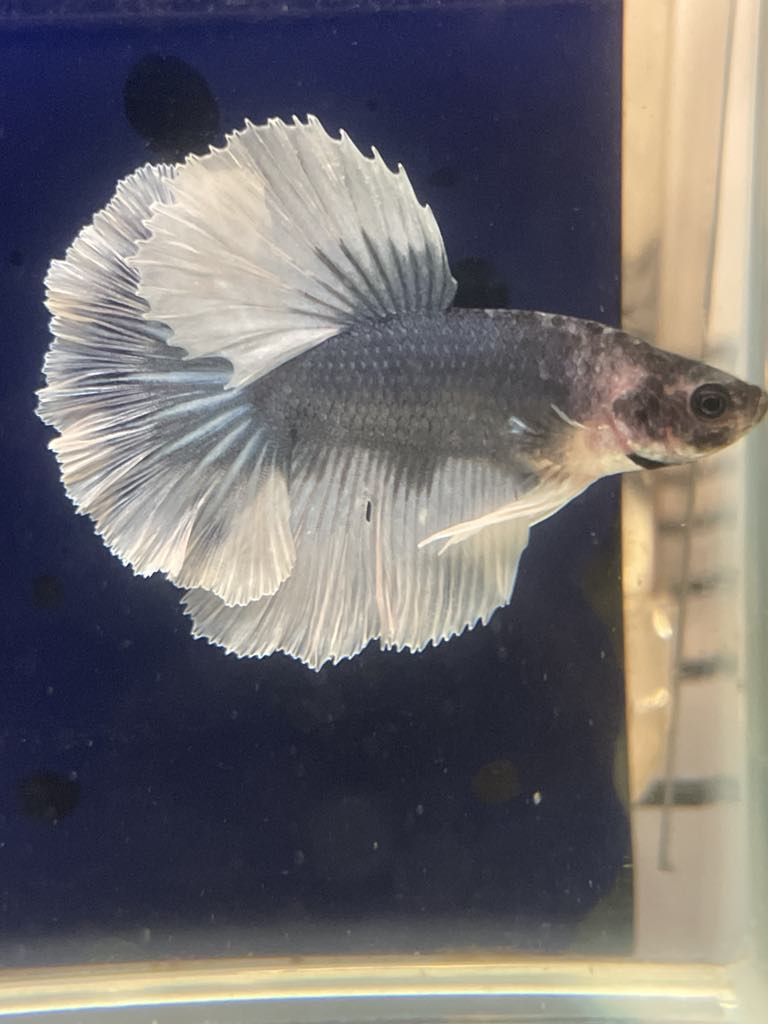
261,391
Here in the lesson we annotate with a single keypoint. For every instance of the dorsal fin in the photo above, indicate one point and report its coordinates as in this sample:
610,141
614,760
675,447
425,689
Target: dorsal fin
282,239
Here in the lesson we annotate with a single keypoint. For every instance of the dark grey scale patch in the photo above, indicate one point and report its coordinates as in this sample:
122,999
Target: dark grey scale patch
706,438
171,106
658,363
703,435
650,412
368,511
422,389
655,412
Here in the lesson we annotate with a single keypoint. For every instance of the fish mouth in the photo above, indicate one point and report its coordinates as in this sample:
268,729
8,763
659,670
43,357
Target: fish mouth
644,463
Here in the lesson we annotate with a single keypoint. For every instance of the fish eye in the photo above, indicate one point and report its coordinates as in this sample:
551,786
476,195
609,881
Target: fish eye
710,401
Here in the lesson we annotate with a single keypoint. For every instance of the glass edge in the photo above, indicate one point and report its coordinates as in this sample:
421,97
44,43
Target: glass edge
611,989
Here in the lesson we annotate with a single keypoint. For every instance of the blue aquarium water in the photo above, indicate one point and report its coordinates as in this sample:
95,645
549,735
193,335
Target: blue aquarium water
153,786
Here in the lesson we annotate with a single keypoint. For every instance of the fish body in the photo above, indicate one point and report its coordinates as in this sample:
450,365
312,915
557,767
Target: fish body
425,387
520,390
262,391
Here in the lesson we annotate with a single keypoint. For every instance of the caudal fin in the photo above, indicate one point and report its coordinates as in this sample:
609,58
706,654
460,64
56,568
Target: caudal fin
175,469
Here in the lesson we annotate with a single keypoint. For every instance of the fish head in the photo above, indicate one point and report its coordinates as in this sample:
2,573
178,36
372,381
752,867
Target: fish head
678,410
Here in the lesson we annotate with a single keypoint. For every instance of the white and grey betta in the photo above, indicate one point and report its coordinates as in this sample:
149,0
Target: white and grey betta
262,392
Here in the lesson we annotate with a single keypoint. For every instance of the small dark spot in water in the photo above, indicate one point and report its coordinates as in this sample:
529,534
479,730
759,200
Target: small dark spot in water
479,287
372,105
444,177
47,591
171,106
16,258
496,782
47,796
368,509
350,842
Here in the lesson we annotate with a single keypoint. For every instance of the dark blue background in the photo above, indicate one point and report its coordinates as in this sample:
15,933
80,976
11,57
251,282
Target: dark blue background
150,782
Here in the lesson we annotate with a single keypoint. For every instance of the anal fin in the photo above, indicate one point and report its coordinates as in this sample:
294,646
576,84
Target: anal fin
360,572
